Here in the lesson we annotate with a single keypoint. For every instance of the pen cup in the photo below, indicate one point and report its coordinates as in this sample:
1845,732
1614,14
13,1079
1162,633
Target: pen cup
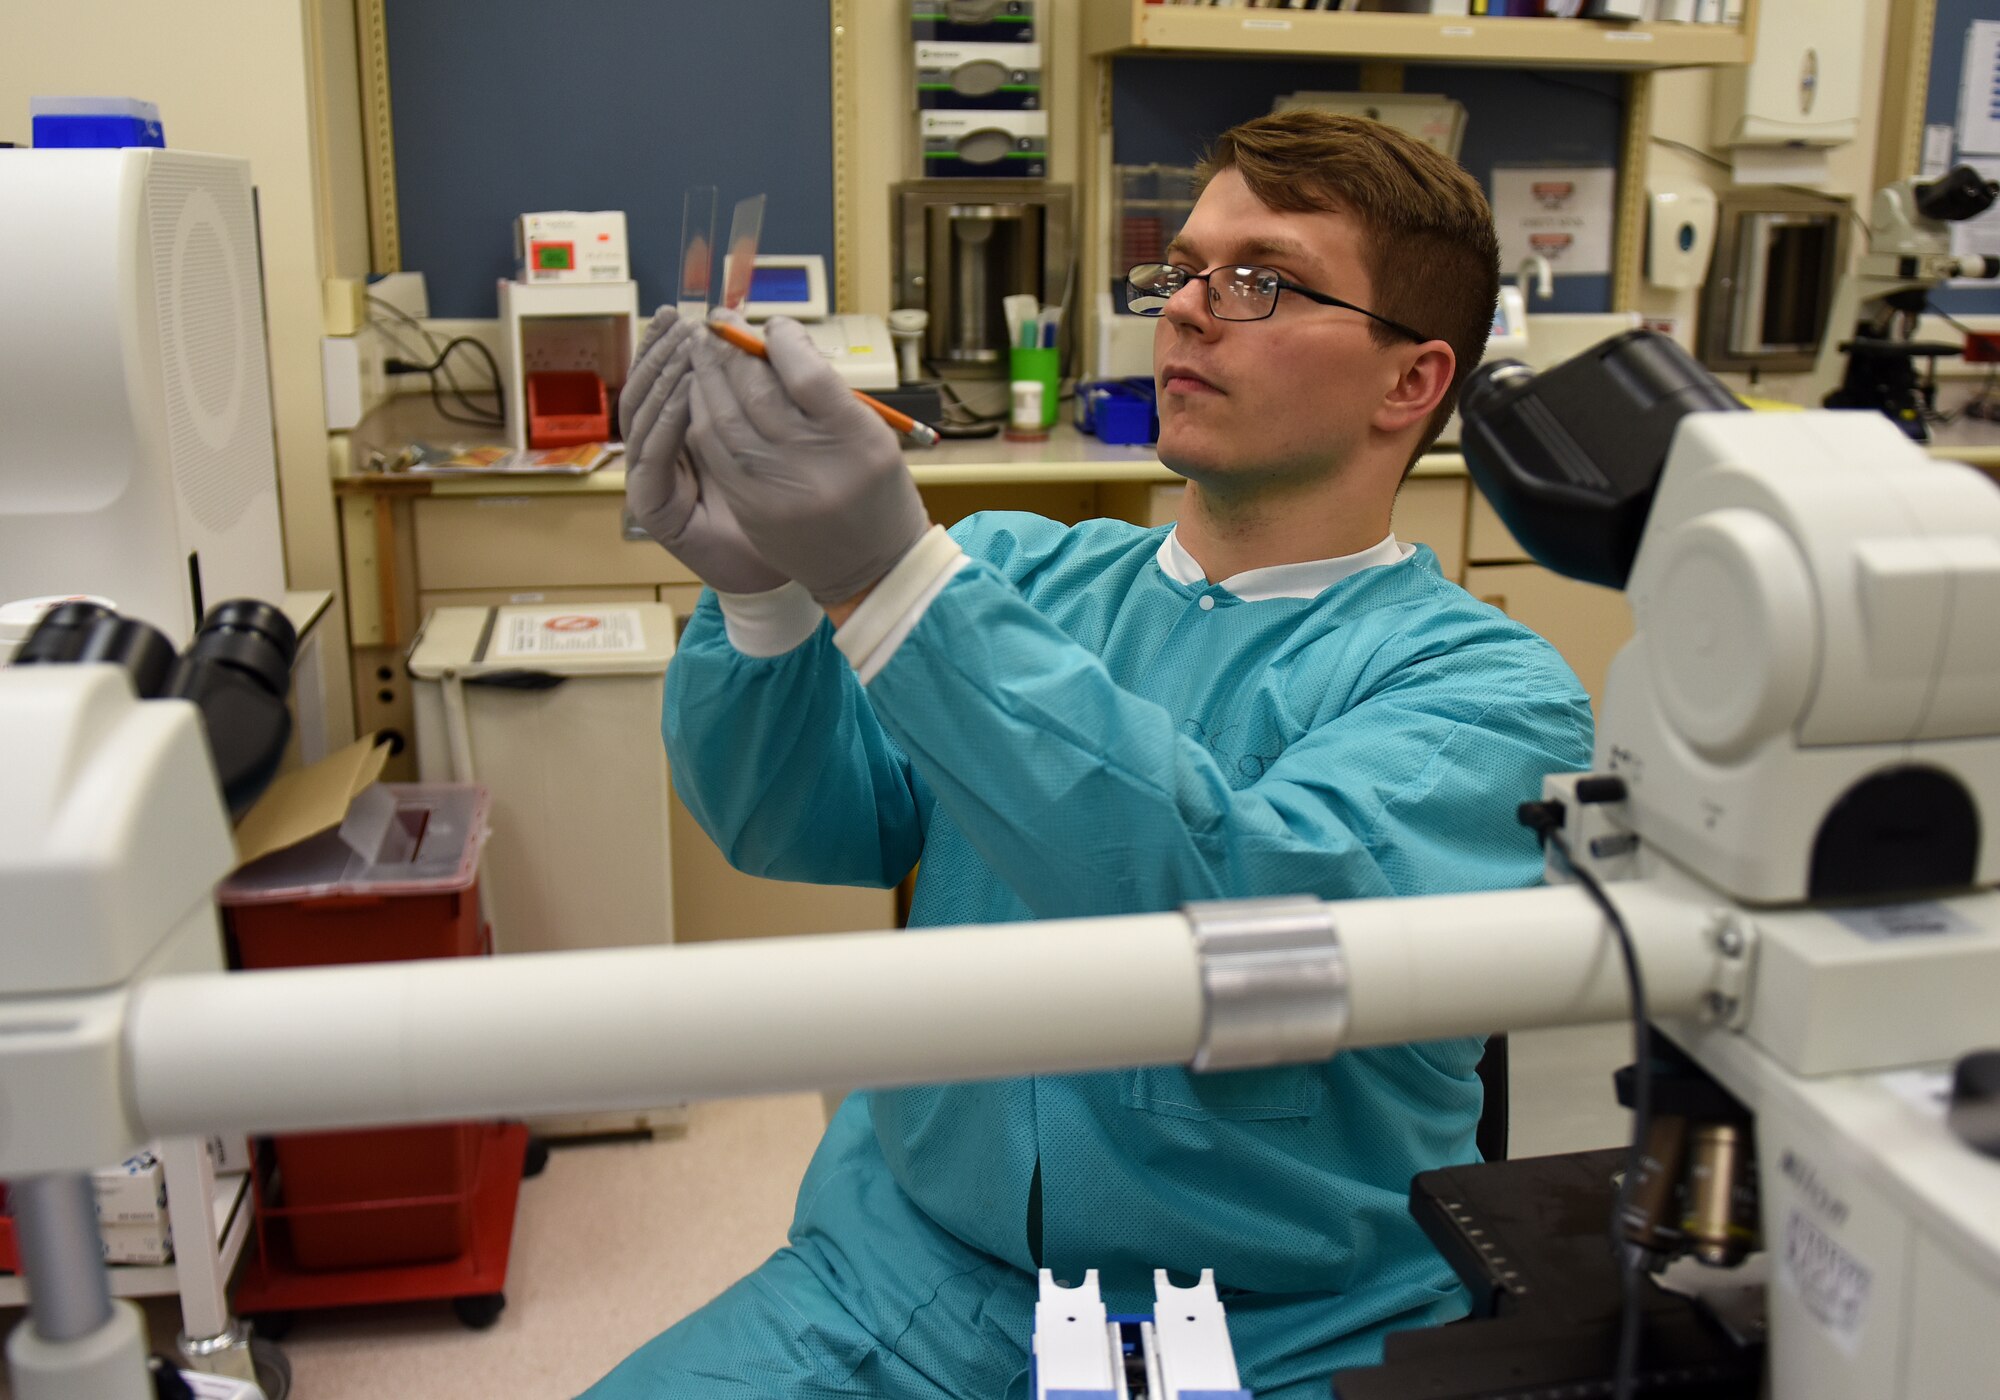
1033,412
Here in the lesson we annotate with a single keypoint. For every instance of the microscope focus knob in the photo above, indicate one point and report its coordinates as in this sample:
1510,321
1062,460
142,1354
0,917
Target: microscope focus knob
1975,1102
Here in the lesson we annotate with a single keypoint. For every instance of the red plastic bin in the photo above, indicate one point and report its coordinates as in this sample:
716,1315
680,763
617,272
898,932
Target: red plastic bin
363,1200
567,407
366,1199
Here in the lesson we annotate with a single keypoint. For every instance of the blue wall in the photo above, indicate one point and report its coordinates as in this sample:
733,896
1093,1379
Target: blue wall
507,106
1941,109
1166,110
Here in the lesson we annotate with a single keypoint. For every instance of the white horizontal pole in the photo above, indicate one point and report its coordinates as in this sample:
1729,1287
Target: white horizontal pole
1515,960
538,1033
542,1033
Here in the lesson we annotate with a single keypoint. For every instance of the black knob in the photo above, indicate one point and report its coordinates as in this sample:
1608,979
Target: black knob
1975,1101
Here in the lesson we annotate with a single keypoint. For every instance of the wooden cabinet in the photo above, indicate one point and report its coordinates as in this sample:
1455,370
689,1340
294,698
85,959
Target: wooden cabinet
414,547
1587,624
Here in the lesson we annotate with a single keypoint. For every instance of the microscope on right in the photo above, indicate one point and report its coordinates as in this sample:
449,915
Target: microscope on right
1867,357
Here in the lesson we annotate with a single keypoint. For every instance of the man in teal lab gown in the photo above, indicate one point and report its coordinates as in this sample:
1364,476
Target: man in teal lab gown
1274,696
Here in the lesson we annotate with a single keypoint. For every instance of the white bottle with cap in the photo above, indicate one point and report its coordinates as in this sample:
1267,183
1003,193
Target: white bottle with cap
906,329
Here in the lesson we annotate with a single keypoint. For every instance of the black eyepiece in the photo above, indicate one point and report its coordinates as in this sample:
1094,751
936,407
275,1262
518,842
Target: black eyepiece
79,633
61,634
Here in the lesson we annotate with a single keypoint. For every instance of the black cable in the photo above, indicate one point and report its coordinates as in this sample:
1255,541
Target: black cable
1543,819
1697,152
1948,318
962,411
485,417
442,364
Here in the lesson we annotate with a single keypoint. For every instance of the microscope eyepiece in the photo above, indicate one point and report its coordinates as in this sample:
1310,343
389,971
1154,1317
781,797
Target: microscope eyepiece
78,633
247,636
1960,193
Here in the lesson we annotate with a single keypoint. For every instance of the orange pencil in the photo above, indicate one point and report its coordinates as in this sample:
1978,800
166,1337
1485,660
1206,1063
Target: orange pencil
901,422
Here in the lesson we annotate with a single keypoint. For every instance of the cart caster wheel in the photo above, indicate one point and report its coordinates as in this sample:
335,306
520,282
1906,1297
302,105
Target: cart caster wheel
536,1160
272,1326
273,1367
479,1310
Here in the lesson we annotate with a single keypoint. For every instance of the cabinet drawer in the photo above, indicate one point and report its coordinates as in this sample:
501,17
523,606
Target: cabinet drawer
1488,541
522,543
1587,624
1431,510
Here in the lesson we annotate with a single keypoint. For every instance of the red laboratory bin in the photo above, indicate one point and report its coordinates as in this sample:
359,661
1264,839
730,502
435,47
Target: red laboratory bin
567,407
385,1210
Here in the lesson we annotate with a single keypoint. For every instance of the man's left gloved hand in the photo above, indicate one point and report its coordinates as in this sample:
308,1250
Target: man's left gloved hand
814,478
661,488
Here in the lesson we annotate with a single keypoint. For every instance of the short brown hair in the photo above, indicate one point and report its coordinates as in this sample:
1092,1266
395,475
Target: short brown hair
1432,252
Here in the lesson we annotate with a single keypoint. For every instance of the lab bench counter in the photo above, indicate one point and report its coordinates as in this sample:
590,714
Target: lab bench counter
413,543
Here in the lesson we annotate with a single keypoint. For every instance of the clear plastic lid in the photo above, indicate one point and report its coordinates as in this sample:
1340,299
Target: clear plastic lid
398,839
136,108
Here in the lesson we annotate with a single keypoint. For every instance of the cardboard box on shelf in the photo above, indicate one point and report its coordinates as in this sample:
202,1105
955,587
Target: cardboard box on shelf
137,1244
132,1193
229,1152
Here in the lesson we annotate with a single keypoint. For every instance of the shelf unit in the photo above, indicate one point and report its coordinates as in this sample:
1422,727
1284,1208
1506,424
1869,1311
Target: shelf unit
1131,26
1383,44
229,1221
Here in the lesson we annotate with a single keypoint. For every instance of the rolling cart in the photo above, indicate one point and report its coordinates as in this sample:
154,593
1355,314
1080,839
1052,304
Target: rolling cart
385,1215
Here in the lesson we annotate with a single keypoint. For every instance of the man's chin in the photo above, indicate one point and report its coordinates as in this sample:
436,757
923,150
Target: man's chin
1194,460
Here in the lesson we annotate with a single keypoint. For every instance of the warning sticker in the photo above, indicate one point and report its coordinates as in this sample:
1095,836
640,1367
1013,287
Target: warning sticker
1830,1282
583,632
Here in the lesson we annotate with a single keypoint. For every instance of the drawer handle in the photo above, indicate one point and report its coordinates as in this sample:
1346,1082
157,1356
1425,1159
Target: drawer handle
518,680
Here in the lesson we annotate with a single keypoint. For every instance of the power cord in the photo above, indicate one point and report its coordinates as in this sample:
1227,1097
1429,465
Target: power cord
1545,819
480,416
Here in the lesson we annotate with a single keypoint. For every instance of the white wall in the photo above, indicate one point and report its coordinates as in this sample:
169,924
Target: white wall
230,76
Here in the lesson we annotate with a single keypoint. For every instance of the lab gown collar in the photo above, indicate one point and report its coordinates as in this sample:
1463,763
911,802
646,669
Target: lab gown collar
1307,580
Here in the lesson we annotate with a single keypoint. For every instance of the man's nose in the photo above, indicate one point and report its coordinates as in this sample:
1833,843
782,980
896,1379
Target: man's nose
1189,305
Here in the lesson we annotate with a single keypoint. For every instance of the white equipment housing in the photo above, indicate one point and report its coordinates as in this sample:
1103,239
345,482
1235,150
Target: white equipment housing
135,409
1803,88
1817,601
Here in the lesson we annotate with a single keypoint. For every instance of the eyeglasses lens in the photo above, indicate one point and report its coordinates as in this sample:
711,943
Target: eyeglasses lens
1149,286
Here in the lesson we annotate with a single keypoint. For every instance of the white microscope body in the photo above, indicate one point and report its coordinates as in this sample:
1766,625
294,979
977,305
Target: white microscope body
1818,635
1817,606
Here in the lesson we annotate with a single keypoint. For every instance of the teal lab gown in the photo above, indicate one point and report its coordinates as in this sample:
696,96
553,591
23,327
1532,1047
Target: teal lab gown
1071,731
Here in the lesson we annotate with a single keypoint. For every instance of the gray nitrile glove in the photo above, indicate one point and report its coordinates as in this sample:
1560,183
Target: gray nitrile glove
815,478
663,490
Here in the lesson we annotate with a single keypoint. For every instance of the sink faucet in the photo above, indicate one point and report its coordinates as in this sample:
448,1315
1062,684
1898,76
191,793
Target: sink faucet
1537,266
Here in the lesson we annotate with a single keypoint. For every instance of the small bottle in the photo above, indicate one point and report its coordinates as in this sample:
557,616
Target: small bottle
1024,421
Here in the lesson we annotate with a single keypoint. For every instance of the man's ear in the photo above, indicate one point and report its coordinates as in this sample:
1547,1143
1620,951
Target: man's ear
1424,374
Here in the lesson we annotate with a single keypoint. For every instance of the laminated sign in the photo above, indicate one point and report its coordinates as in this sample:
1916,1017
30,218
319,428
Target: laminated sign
1563,215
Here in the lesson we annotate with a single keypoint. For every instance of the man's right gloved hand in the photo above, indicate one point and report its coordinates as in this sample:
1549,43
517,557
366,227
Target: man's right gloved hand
662,489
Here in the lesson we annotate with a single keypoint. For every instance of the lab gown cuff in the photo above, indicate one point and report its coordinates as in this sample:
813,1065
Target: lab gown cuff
891,612
770,623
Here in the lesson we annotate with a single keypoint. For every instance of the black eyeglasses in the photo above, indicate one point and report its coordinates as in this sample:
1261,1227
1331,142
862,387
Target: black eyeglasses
1234,293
